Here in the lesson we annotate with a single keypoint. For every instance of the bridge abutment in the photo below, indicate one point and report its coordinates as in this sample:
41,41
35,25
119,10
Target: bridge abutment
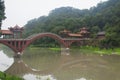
65,51
17,55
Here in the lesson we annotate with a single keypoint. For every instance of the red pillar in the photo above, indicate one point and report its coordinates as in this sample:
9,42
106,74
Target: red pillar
19,45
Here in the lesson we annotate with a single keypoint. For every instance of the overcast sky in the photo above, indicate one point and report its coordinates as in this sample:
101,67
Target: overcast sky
20,11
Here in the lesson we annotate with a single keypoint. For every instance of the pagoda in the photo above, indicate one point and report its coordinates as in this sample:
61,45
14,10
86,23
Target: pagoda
17,31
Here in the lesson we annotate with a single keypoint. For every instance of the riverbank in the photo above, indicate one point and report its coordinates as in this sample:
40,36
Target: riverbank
97,50
87,50
4,76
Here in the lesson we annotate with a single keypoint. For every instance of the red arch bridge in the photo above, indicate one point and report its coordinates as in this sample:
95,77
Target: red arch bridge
18,45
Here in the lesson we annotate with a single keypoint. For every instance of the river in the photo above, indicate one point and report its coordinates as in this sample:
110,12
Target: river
46,64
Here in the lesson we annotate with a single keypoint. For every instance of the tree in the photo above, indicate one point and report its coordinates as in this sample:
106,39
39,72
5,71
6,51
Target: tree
2,12
94,31
113,36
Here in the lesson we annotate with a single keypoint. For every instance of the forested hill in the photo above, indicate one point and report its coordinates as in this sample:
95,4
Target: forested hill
104,17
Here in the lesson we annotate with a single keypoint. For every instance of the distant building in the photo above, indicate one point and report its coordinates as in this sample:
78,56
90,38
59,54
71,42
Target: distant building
13,32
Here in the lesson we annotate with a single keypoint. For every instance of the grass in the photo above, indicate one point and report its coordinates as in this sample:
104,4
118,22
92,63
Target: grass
4,76
55,49
50,48
96,50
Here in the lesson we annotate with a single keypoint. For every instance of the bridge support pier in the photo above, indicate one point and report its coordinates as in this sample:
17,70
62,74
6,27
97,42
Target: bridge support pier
68,43
17,56
65,51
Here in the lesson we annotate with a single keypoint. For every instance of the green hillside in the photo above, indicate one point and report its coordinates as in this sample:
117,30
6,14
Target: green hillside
103,17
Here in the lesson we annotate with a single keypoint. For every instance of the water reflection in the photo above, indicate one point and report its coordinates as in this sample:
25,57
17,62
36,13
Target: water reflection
43,64
19,68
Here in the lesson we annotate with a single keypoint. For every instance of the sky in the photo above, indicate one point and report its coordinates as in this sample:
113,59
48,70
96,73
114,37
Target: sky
18,12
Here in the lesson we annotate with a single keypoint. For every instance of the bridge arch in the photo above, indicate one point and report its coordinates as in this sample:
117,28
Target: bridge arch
41,35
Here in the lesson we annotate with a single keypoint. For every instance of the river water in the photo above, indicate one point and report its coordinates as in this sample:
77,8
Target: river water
46,64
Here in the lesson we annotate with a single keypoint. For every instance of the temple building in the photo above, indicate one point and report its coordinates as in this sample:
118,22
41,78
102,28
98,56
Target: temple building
13,32
82,34
101,35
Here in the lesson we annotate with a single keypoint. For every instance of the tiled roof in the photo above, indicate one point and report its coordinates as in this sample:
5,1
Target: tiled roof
83,32
101,33
75,35
6,32
16,27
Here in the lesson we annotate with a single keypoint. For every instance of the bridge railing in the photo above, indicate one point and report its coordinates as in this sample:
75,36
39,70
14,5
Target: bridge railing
76,38
47,33
31,36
